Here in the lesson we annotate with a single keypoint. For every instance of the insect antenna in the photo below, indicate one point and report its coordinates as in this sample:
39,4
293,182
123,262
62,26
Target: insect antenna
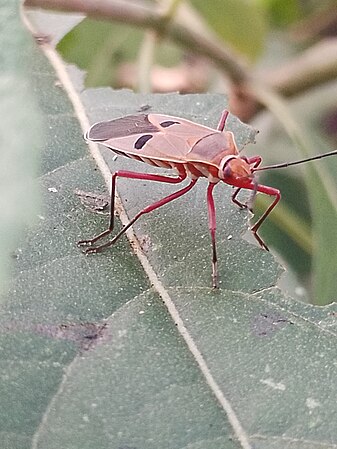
301,161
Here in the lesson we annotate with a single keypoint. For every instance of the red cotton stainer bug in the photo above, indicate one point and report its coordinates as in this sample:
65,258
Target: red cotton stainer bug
193,151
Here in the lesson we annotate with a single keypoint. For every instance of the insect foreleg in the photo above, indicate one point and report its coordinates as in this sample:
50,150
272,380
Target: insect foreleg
129,175
212,228
255,161
237,202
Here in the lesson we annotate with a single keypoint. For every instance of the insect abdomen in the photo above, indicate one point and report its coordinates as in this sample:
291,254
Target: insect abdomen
193,169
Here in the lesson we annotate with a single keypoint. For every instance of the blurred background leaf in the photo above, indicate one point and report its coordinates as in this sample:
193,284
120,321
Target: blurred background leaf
106,51
242,24
20,137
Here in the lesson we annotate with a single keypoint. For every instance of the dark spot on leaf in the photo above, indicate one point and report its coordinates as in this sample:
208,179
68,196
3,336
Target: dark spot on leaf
84,335
266,324
94,202
144,107
142,141
145,243
169,123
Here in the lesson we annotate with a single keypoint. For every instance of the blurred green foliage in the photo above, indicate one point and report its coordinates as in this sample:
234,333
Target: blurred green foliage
101,48
242,24
283,12
20,137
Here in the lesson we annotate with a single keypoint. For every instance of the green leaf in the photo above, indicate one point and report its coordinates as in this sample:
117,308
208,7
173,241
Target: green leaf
282,13
101,48
324,226
102,352
302,121
243,24
19,136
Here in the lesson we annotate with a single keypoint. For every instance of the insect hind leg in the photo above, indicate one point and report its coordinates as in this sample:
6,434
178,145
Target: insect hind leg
133,175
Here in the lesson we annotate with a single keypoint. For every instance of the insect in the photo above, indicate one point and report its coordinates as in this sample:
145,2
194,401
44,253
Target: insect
193,151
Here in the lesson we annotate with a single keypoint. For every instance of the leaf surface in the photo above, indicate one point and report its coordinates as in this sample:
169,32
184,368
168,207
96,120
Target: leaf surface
98,352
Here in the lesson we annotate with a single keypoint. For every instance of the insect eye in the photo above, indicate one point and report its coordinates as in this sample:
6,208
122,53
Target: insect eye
225,168
169,123
227,171
142,141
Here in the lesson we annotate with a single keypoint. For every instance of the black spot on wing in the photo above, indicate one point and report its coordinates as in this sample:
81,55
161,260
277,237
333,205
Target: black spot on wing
121,127
142,141
168,123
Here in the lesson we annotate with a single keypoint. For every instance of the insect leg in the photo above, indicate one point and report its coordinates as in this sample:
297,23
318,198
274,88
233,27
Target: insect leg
146,210
130,175
268,191
222,122
256,161
212,228
237,202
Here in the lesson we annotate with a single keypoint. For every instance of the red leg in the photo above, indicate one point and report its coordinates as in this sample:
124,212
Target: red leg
212,228
237,202
129,175
222,123
146,210
250,185
256,161
269,191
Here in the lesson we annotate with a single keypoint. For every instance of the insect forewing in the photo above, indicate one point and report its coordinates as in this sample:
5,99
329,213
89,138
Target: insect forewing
150,135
